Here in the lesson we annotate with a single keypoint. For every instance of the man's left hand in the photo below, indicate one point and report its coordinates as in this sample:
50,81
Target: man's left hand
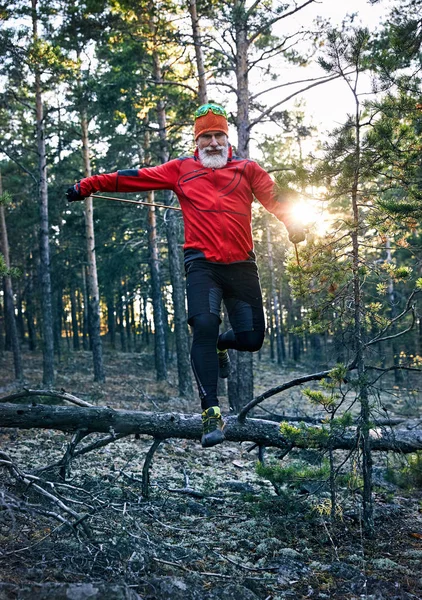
297,234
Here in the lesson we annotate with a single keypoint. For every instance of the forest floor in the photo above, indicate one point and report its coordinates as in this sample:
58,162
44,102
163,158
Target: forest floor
212,528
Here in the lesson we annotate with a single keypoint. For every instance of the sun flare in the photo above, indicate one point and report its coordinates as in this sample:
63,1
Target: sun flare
311,214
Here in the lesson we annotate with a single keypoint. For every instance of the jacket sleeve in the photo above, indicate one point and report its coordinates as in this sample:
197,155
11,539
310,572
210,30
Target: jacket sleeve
162,177
263,188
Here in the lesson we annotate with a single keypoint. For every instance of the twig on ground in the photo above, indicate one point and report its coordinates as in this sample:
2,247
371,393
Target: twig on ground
173,564
233,562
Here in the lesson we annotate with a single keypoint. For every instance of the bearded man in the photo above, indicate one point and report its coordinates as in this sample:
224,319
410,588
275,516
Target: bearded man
215,190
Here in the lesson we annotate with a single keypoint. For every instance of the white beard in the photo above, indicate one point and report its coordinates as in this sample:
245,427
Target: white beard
214,161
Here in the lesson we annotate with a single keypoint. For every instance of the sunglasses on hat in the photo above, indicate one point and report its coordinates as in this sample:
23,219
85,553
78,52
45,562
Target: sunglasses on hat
214,108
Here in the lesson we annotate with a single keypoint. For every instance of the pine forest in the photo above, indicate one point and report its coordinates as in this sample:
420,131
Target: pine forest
107,489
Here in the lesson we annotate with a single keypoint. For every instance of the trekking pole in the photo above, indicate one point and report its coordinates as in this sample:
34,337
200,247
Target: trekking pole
134,202
299,275
297,256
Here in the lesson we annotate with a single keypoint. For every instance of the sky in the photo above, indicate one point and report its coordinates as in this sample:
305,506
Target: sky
329,103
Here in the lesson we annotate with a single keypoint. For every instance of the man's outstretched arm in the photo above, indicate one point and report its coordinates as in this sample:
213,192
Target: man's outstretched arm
277,203
162,177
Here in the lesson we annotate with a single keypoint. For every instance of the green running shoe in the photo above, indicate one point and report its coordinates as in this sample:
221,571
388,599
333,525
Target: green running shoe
212,427
223,363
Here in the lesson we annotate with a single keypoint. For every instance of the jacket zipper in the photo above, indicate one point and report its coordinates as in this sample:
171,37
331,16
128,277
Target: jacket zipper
222,219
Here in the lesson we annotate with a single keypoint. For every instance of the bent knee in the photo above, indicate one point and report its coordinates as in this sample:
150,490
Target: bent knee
205,325
251,341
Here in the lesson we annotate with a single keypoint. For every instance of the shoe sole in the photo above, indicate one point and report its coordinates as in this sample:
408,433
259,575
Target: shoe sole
212,439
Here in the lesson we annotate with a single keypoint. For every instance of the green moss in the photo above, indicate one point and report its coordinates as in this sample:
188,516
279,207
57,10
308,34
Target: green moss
406,472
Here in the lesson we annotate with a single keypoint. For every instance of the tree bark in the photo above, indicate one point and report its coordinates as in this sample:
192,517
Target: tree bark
46,302
197,42
242,81
93,290
188,426
9,309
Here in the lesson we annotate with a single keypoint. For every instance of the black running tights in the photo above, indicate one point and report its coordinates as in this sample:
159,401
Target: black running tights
204,352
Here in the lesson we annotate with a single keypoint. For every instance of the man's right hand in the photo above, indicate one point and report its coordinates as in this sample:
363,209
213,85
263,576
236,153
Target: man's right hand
73,194
296,234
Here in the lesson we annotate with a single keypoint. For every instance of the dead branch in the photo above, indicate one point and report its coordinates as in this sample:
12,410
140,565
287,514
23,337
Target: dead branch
30,481
62,395
392,422
188,426
70,451
147,466
88,448
286,386
187,489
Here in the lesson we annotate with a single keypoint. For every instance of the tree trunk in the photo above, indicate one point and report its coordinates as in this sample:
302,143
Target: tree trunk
197,42
364,428
244,369
128,320
58,321
74,317
270,328
282,326
111,319
121,319
46,302
9,309
176,273
242,82
20,321
145,323
2,327
274,296
395,351
180,319
159,325
93,290
187,426
85,311
29,312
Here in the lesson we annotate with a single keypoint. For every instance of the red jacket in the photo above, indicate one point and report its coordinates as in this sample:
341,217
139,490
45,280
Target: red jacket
216,203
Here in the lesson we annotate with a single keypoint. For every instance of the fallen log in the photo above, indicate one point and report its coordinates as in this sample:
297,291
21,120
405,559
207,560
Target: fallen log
188,426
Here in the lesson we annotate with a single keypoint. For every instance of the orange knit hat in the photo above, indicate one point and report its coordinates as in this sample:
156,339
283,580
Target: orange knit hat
210,117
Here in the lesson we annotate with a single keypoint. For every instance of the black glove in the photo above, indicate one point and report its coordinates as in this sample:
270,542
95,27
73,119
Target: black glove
296,234
73,194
